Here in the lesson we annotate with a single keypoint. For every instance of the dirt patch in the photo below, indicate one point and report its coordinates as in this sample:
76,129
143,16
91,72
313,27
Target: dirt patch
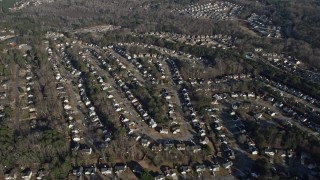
147,165
246,30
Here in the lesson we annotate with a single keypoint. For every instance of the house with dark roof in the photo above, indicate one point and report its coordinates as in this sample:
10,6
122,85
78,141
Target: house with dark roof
200,168
184,169
119,168
26,174
89,170
105,169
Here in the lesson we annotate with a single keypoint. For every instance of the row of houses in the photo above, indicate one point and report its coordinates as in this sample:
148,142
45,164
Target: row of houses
68,109
159,67
199,168
226,78
65,99
21,5
222,141
135,102
103,168
234,125
167,146
94,118
283,153
54,35
197,125
30,97
143,70
291,64
174,71
289,90
252,147
2,113
137,169
185,170
222,10
264,26
223,79
217,97
91,119
3,96
215,41
92,115
222,144
99,29
26,174
175,127
302,113
169,52
165,171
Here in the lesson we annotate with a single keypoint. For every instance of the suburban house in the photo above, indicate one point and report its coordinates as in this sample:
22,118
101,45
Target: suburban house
167,171
164,130
214,167
184,170
26,174
200,168
227,164
105,169
181,147
145,142
159,177
269,151
119,168
77,171
89,170
85,149
10,176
